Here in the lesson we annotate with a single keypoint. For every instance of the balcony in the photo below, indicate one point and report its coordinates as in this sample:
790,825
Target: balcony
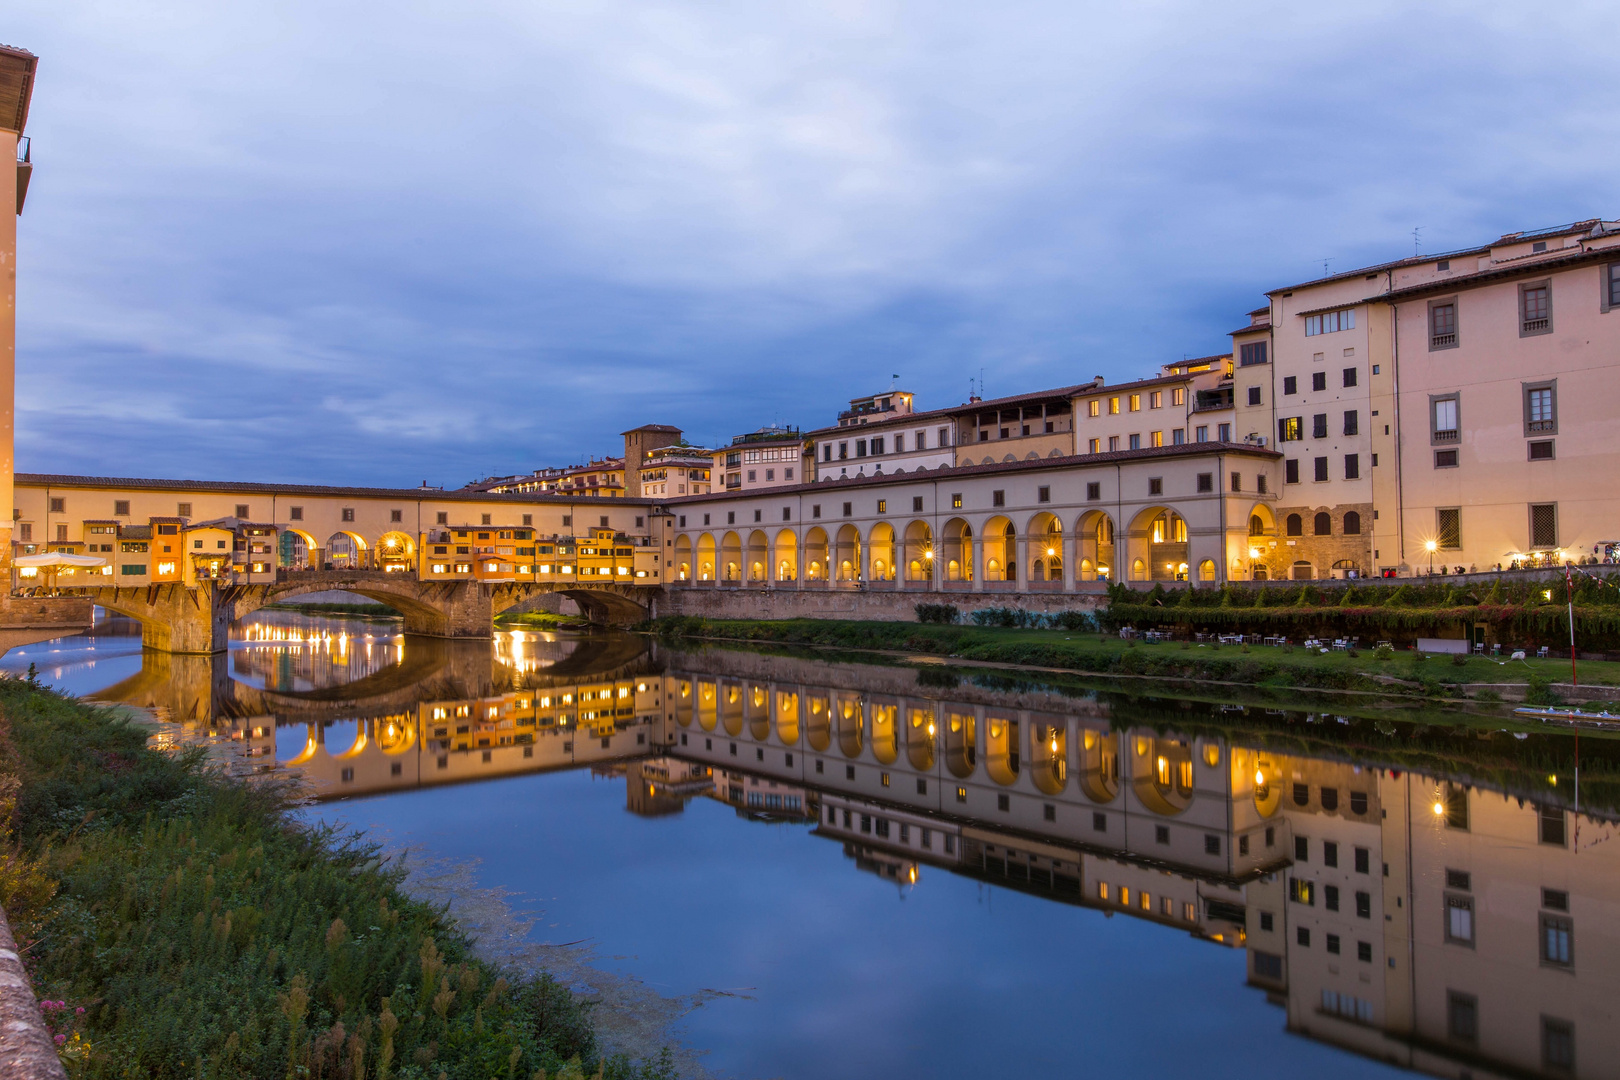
1442,341
25,169
1535,326
1542,425
1219,398
1453,435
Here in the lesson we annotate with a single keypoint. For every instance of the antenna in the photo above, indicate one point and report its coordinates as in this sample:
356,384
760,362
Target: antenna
1325,270
1417,241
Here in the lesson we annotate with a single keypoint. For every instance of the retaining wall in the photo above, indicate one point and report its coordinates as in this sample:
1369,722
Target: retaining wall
877,605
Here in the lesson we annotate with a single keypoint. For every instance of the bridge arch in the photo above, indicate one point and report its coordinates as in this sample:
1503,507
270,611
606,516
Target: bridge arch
346,550
295,548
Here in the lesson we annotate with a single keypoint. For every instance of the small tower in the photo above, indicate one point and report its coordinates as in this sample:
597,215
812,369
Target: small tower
637,443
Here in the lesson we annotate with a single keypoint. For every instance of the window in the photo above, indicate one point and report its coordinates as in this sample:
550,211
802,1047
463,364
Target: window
1541,408
1094,447
1448,528
1557,933
1223,432
1330,897
1550,825
1260,483
348,513
1318,381
731,517
1349,376
1442,324
1290,385
1302,892
1178,396
1557,1045
1352,466
121,508
1156,399
1093,491
1136,442
758,514
1352,422
1535,309
1113,406
1206,481
1319,426
396,515
1178,436
998,498
1042,494
1253,353
58,506
1321,465
241,510
1330,322
956,500
183,510
849,508
1094,407
1539,451
1294,525
1290,429
1611,286
1291,471
1543,525
1443,415
1136,403
1156,438
1200,433
1462,1016
1322,525
1237,481
1445,459
1302,849
917,503
1352,527
1254,397
1156,485
1358,799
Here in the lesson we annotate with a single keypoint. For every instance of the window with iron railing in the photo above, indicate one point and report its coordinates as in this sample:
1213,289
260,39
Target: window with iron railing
1444,415
1535,309
1443,325
1540,410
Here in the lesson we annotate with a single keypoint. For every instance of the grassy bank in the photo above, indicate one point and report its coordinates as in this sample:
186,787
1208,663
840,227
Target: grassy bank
370,611
1108,655
541,620
194,930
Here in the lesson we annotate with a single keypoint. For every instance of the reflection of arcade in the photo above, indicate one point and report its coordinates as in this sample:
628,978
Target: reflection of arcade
1401,916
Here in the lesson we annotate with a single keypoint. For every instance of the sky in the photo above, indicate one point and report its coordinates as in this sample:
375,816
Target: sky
335,242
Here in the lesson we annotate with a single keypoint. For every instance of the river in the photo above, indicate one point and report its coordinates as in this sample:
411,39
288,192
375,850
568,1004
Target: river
811,865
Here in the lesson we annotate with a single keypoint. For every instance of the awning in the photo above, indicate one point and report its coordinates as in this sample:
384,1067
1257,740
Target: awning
58,558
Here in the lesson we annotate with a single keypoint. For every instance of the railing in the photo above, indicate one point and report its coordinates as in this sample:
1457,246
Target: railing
24,147
1542,425
1532,326
1442,341
1452,435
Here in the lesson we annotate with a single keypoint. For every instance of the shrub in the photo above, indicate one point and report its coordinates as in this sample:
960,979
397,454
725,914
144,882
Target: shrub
1384,652
1076,620
943,614
1459,659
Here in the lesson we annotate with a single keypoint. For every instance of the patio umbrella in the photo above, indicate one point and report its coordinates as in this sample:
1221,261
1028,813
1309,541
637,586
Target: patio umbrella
53,561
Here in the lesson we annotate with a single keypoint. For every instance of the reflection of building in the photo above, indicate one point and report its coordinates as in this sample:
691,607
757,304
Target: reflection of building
662,785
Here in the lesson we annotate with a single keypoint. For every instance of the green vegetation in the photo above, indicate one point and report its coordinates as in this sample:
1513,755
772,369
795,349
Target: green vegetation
370,611
194,929
541,620
1528,612
1384,671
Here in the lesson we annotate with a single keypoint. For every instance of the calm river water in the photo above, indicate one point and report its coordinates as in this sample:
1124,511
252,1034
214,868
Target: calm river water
816,867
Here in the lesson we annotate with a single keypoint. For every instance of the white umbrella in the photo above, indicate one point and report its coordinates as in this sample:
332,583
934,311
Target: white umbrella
58,558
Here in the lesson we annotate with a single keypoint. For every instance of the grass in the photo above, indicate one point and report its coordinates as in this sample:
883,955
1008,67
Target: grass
375,611
194,929
1107,654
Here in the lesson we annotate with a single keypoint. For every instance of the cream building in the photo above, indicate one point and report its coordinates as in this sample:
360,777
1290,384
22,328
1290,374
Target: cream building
771,457
16,91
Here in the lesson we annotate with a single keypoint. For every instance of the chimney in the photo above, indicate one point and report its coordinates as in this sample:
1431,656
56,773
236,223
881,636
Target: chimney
1097,380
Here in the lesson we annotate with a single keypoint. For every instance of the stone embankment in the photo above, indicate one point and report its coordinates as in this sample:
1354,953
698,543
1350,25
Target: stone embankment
26,1050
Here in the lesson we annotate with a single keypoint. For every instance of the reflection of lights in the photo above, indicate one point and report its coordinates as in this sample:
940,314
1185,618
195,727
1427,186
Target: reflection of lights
930,729
912,875
1259,778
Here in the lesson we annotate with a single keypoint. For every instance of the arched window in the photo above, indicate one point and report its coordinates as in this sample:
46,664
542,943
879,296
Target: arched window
1206,570
1352,524
1303,571
1256,526
1296,525
1324,524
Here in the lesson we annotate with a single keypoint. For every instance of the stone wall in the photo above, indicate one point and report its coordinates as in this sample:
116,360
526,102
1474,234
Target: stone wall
1320,551
874,604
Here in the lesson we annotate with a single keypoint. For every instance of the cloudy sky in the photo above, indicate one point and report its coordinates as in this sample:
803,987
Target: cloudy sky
321,240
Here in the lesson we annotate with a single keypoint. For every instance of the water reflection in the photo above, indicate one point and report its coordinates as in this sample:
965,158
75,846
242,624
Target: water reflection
1424,896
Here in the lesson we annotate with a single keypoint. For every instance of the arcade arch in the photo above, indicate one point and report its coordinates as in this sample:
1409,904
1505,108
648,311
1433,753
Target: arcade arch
882,551
1045,548
759,557
815,555
705,557
919,553
1096,546
1000,550
958,550
731,557
785,555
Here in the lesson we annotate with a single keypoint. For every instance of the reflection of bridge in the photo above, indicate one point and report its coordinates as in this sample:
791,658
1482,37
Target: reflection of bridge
181,618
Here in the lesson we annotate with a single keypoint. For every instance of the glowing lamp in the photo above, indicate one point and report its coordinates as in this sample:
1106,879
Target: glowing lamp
1439,808
1430,545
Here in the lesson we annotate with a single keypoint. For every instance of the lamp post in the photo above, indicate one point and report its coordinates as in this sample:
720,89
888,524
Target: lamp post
1432,547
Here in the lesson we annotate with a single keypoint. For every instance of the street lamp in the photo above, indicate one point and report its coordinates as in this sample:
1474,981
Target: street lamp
1431,547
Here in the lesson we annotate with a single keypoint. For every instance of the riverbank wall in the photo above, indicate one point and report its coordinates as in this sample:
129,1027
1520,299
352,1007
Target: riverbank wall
716,601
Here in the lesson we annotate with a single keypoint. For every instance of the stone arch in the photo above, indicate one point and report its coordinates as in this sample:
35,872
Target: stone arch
757,710
683,558
683,703
958,550
1099,765
1049,755
396,552
881,544
731,708
1206,570
815,555
1162,773
1000,549
708,705
818,724
921,732
885,732
847,556
757,564
1158,539
295,549
962,744
731,557
706,557
347,550
787,717
1095,530
785,556
851,720
919,551
1045,531
1001,758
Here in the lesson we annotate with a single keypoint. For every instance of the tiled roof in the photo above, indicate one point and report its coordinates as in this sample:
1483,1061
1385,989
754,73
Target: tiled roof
1558,260
312,490
953,472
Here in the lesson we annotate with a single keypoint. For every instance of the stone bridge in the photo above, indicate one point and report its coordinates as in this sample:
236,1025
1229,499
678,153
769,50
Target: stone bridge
180,618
